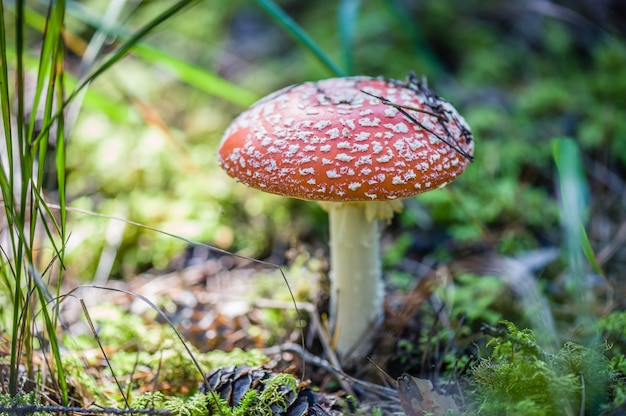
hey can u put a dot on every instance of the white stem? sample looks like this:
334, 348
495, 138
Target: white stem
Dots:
357, 291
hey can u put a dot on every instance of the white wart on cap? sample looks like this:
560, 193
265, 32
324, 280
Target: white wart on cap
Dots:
348, 139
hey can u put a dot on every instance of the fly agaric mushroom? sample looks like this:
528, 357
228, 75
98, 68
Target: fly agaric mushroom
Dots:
358, 145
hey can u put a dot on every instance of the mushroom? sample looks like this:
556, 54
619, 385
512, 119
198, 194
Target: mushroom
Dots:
359, 145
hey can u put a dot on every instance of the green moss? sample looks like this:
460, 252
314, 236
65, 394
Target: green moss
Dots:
195, 405
275, 391
520, 378
151, 400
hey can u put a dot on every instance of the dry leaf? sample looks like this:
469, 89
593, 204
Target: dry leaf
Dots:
418, 397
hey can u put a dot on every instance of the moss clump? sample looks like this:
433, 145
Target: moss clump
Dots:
520, 378
194, 405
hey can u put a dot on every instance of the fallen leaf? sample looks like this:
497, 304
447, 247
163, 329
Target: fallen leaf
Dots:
418, 397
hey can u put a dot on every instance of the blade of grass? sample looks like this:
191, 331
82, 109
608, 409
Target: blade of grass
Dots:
94, 331
591, 255
98, 40
50, 64
47, 85
569, 161
55, 94
573, 207
61, 176
91, 54
129, 44
50, 79
347, 16
195, 76
5, 110
300, 36
121, 52
4, 99
95, 99
17, 214
55, 347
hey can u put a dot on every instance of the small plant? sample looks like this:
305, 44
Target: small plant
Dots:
520, 378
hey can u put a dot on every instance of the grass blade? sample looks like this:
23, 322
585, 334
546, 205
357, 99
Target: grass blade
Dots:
197, 77
5, 110
97, 42
15, 215
4, 94
295, 31
127, 46
347, 17
569, 164
50, 79
124, 49
574, 194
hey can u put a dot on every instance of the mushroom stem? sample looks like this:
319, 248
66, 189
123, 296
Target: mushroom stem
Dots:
356, 298
357, 292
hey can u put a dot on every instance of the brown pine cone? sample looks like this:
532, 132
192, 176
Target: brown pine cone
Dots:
232, 383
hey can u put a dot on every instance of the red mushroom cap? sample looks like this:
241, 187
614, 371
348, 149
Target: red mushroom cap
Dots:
348, 139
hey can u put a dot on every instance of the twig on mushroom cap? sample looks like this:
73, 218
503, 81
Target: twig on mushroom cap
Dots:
436, 110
